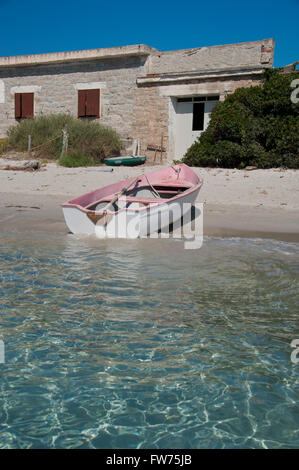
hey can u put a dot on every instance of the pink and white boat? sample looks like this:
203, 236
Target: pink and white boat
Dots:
135, 207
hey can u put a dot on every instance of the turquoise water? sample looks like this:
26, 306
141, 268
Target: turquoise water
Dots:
142, 344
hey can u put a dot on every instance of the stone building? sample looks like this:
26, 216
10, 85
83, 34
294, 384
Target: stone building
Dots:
139, 91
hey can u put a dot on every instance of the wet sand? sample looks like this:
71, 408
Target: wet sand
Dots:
237, 203
27, 213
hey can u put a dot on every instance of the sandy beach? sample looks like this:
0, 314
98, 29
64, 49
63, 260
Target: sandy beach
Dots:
237, 203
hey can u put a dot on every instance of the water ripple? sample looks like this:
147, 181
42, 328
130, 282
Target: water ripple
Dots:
125, 344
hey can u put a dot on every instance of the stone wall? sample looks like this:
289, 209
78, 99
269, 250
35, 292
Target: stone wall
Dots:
249, 54
150, 116
55, 89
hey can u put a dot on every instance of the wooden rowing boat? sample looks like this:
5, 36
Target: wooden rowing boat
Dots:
135, 207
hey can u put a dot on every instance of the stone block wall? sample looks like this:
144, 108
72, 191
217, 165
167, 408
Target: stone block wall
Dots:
150, 116
249, 54
56, 89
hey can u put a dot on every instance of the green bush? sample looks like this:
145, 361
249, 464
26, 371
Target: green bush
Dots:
74, 159
253, 126
2, 145
85, 137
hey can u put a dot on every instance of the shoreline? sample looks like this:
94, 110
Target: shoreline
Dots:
24, 213
237, 203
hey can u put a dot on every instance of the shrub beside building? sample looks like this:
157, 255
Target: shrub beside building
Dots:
256, 126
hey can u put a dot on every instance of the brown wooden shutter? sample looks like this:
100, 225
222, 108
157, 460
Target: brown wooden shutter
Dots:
27, 105
93, 103
18, 109
81, 103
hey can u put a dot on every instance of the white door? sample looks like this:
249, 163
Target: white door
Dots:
191, 119
184, 136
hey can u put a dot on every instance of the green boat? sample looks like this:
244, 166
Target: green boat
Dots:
126, 161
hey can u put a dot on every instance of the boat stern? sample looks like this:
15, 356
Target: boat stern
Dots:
78, 221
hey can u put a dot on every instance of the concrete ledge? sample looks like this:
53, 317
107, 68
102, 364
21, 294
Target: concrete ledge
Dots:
190, 76
89, 54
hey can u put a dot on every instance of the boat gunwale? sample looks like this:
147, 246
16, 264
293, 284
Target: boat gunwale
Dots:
151, 204
136, 209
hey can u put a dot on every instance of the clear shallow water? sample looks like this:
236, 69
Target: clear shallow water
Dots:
125, 344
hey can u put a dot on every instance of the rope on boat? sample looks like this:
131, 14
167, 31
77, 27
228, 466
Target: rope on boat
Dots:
177, 170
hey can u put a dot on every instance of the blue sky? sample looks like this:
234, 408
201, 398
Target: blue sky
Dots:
33, 26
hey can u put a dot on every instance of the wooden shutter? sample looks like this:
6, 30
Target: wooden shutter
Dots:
81, 103
93, 103
18, 109
27, 105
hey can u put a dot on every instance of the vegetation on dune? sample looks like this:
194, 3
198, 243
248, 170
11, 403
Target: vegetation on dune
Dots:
256, 126
74, 159
89, 143
2, 145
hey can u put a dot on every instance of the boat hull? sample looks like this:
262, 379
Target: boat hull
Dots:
125, 161
136, 215
130, 224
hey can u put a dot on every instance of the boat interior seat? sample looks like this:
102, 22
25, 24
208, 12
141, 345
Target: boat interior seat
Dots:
142, 200
175, 183
146, 194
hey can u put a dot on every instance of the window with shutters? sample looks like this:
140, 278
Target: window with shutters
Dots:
201, 105
88, 103
24, 105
